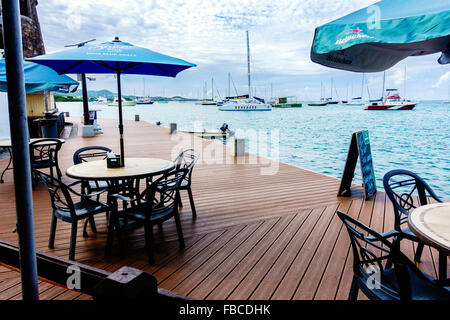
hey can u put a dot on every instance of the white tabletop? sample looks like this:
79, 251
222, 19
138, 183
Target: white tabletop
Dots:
134, 167
431, 224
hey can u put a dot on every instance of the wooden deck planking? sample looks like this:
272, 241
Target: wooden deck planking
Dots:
256, 236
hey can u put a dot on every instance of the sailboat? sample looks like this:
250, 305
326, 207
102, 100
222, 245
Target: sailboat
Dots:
144, 100
330, 99
206, 102
322, 101
357, 101
249, 103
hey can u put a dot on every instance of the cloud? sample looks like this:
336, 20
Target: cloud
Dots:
211, 34
443, 80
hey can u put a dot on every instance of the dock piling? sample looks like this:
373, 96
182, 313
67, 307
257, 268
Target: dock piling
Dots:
173, 128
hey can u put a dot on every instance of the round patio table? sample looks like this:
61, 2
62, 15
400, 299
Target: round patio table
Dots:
6, 144
134, 168
431, 224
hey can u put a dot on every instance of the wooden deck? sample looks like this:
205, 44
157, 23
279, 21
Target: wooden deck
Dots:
256, 236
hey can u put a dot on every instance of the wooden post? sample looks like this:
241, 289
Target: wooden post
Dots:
173, 128
239, 147
136, 117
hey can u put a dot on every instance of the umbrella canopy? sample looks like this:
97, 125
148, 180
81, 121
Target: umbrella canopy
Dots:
39, 78
113, 57
375, 38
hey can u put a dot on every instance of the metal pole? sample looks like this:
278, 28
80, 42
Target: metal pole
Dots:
12, 36
248, 67
119, 97
85, 100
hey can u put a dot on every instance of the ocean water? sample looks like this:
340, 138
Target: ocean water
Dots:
318, 138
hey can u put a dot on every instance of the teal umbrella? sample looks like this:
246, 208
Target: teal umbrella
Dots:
375, 38
39, 78
116, 57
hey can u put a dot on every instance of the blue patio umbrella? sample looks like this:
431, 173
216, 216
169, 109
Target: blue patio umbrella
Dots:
39, 78
113, 57
375, 38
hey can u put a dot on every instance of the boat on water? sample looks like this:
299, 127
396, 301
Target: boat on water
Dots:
249, 103
209, 103
356, 102
392, 101
101, 100
286, 102
125, 103
318, 103
144, 101
331, 101
224, 132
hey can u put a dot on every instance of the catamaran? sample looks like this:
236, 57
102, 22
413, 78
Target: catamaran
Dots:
250, 103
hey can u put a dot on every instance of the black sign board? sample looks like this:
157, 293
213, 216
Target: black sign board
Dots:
359, 148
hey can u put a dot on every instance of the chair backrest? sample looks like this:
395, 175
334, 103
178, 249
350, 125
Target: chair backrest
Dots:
163, 193
187, 159
45, 150
407, 191
59, 193
86, 153
370, 252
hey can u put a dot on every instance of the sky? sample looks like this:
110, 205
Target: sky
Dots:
212, 34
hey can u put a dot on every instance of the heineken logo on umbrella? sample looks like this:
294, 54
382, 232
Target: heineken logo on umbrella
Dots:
356, 33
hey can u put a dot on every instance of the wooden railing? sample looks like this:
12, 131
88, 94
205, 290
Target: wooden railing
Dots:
126, 283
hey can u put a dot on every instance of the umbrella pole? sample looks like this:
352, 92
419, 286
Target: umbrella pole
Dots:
85, 100
119, 97
20, 147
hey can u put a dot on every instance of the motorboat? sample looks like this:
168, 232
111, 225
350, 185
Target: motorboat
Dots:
392, 101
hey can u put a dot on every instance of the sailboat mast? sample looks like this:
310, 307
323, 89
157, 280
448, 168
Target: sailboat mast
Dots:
362, 85
384, 82
229, 84
248, 66
212, 89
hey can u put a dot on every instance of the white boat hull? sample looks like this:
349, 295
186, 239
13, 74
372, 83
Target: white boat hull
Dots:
245, 107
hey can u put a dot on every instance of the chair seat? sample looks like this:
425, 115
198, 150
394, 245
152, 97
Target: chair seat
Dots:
43, 164
138, 213
98, 185
420, 289
82, 209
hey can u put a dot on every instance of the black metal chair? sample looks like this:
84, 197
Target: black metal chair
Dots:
65, 209
44, 154
156, 204
187, 159
402, 281
92, 153
401, 186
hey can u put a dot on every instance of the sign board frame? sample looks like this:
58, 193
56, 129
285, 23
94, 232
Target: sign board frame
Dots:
359, 148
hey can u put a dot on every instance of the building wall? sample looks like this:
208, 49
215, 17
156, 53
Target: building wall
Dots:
33, 44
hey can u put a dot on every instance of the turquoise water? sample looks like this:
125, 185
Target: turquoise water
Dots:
317, 138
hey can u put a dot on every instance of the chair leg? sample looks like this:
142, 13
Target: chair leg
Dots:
419, 251
110, 237
442, 267
179, 230
354, 289
51, 242
73, 240
191, 199
92, 223
148, 230
180, 203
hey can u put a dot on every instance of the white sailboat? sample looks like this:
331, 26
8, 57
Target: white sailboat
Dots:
358, 101
250, 103
322, 102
